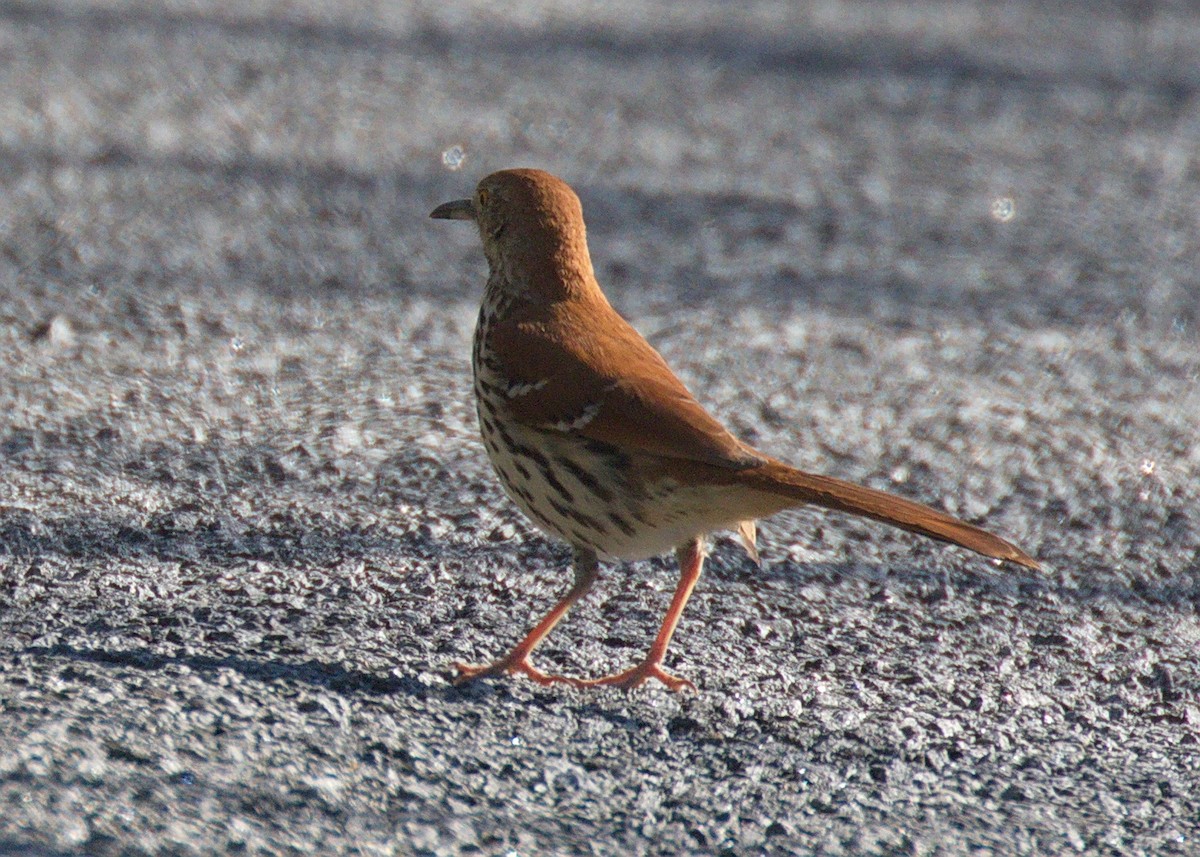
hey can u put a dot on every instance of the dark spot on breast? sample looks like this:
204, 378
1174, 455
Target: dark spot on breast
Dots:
486, 388
505, 475
579, 517
585, 478
542, 521
582, 540
622, 524
606, 451
528, 451
552, 480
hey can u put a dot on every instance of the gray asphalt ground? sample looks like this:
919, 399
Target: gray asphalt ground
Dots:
246, 524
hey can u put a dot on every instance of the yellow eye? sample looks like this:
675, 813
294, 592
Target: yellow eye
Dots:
483, 197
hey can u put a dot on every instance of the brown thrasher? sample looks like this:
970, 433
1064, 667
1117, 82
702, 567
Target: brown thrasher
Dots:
599, 443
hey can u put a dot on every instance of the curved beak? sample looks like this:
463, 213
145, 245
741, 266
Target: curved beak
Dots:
459, 209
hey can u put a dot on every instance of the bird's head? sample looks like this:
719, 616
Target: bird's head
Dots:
531, 223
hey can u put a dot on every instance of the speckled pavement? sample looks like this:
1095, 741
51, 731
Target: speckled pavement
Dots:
947, 249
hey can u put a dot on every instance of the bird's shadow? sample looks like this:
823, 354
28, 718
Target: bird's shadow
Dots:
319, 674
352, 683
14, 846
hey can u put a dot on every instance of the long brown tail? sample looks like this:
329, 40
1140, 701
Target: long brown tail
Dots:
831, 493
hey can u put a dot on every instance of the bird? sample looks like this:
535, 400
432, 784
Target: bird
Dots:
601, 445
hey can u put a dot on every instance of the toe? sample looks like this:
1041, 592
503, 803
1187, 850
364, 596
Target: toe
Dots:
639, 675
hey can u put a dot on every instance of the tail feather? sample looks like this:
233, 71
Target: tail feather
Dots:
810, 488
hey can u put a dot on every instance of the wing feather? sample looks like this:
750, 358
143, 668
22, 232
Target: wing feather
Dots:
606, 383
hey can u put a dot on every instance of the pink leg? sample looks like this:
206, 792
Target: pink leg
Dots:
691, 561
587, 568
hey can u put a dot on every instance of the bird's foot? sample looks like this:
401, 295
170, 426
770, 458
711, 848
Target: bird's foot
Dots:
511, 664
637, 676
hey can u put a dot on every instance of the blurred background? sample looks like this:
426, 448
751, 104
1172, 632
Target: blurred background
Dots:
945, 248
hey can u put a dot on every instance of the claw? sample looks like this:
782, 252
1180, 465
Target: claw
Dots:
471, 672
636, 677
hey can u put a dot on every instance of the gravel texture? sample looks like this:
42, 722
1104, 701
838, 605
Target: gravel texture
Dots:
949, 249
